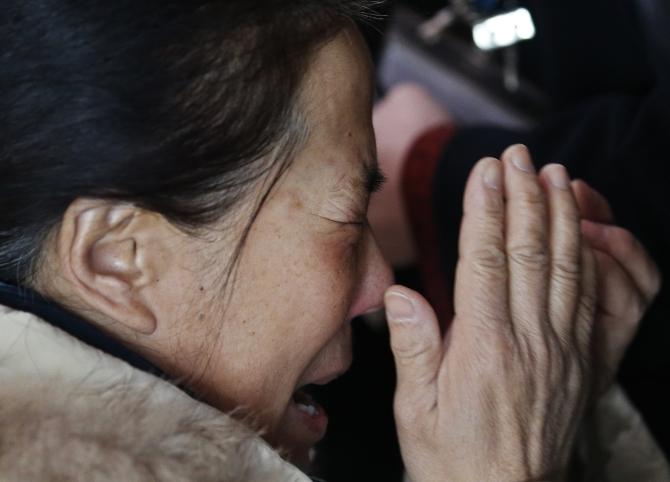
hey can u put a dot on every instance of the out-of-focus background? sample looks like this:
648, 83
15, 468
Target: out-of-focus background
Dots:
583, 82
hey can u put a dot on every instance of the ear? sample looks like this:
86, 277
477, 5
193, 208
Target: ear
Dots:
112, 253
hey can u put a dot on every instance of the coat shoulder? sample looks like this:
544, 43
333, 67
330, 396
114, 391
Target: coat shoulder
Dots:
68, 412
73, 434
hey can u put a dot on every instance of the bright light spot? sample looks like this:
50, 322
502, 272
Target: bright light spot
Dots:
504, 30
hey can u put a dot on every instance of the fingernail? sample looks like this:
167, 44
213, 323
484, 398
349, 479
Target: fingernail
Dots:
521, 159
493, 175
399, 307
558, 176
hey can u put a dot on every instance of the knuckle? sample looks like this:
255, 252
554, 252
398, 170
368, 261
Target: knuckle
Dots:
568, 217
531, 197
567, 268
481, 214
534, 257
487, 262
491, 208
408, 353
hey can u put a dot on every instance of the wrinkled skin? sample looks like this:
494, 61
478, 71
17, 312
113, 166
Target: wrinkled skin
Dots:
501, 398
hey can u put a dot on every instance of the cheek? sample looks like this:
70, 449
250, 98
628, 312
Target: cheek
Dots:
291, 299
341, 264
328, 282
320, 283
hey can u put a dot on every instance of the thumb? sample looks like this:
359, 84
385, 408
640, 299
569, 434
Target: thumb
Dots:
416, 345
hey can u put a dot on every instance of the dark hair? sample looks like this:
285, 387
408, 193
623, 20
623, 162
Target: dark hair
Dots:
175, 106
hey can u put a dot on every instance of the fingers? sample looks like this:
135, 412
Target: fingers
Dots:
416, 345
627, 251
586, 308
527, 242
592, 205
618, 296
565, 249
615, 241
621, 302
620, 309
481, 275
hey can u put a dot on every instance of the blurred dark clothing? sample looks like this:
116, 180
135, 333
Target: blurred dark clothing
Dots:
607, 72
586, 49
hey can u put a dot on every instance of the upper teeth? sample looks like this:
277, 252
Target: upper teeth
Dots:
309, 409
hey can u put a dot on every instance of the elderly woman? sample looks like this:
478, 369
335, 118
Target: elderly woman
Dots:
183, 244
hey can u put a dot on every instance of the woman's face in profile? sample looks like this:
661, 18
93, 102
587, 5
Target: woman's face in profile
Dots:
309, 266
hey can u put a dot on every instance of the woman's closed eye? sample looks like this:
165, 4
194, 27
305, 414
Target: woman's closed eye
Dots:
375, 179
343, 207
347, 202
357, 222
349, 205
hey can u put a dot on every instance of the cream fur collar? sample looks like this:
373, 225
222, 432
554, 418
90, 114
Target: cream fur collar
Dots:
71, 412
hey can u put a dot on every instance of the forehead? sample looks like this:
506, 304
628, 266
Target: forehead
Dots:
340, 68
330, 167
337, 104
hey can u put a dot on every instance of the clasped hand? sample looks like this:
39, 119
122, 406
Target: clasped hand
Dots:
548, 295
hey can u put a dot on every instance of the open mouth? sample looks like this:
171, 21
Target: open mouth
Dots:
309, 413
306, 419
304, 400
306, 412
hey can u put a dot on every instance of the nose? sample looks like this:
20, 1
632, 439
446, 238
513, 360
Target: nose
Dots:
376, 277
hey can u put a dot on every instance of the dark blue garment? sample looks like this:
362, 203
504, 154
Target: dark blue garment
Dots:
22, 299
